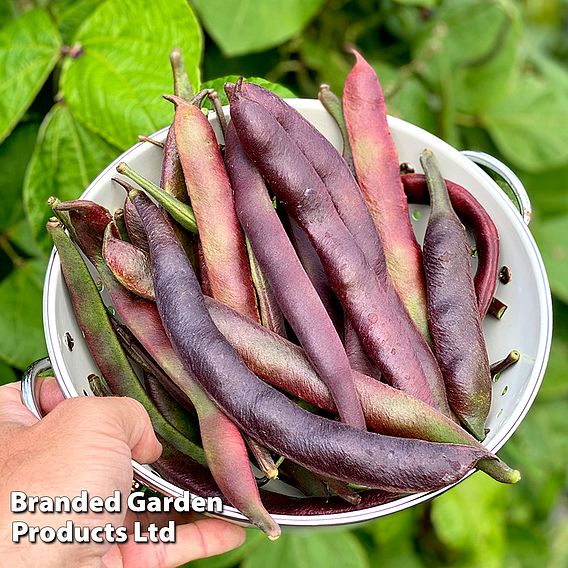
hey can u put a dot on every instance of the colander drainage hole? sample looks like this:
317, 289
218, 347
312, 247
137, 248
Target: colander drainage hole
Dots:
69, 341
499, 413
504, 391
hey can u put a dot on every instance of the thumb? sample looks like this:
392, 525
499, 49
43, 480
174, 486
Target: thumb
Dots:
120, 418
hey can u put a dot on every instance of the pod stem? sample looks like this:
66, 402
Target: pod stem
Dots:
120, 224
332, 103
439, 198
136, 352
62, 216
214, 98
182, 84
99, 386
502, 365
497, 308
342, 489
181, 212
263, 459
142, 138
270, 314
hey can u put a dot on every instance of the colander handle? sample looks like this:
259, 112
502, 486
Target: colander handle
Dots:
508, 175
29, 397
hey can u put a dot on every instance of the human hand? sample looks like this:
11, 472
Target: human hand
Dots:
87, 443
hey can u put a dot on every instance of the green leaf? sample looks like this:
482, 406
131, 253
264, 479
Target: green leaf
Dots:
66, 158
331, 65
20, 315
529, 126
115, 86
29, 48
394, 537
309, 550
470, 518
233, 557
538, 448
70, 14
245, 26
559, 552
15, 153
555, 385
218, 83
548, 190
7, 11
21, 236
421, 3
551, 238
411, 103
477, 42
7, 374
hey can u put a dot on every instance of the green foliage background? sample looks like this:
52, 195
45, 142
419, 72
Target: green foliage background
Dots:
80, 79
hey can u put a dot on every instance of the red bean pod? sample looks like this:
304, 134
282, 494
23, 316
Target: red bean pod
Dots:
387, 410
324, 446
280, 264
377, 169
136, 232
211, 196
375, 310
474, 217
125, 261
453, 313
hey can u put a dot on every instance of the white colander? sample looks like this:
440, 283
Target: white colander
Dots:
526, 325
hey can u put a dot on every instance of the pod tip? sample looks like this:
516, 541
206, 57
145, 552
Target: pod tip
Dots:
516, 476
52, 201
122, 167
229, 89
175, 55
272, 473
142, 138
124, 184
273, 532
177, 101
53, 223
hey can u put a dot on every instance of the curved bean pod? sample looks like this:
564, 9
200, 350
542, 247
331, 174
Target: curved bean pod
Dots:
452, 306
474, 217
325, 446
377, 169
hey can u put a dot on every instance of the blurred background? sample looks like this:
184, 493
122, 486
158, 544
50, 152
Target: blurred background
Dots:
81, 79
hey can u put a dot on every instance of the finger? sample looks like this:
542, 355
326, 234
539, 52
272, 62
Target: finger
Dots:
50, 394
121, 418
204, 538
159, 519
12, 411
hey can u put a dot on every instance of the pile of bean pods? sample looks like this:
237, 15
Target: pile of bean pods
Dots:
273, 296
